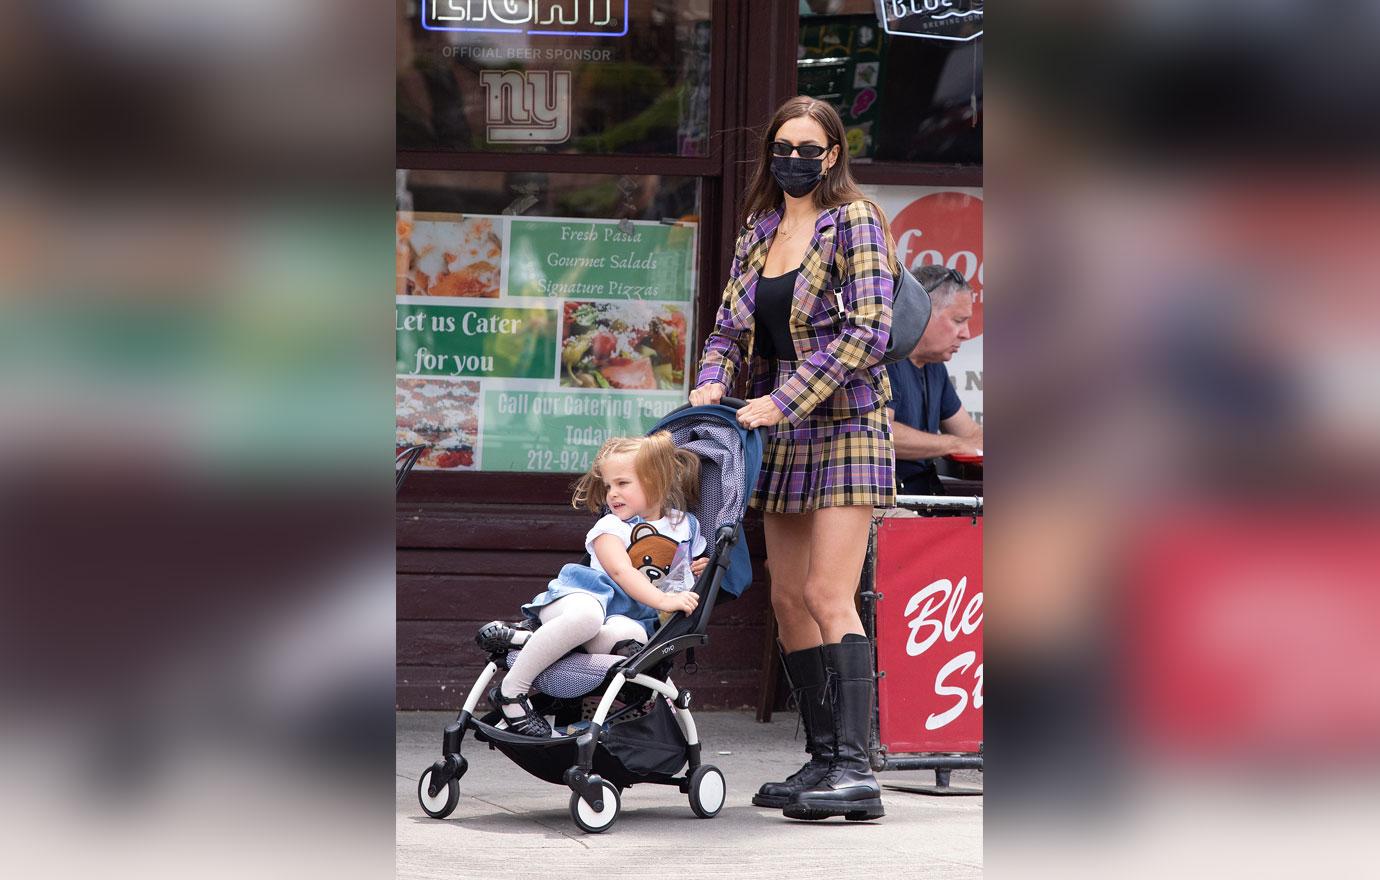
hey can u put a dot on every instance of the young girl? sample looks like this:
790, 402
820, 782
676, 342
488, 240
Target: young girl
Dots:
640, 564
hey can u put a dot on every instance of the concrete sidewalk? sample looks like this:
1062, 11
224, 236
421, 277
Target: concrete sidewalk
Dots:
511, 825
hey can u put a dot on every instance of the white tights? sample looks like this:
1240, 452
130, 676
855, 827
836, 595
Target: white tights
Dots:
569, 622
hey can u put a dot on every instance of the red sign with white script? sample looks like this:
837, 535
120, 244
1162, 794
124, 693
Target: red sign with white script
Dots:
929, 634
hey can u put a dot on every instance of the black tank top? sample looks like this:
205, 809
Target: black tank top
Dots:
772, 316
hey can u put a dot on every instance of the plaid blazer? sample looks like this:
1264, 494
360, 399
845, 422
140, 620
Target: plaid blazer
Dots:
840, 318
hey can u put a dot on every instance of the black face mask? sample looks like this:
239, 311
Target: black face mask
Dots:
797, 176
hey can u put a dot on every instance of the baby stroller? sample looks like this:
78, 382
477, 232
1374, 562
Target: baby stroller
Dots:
651, 736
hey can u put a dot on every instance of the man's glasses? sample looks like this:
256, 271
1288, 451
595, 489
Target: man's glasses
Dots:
805, 151
930, 277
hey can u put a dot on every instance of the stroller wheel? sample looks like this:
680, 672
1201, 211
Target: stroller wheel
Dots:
707, 791
445, 801
591, 820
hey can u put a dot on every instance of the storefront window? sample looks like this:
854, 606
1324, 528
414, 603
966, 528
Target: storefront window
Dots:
564, 76
538, 315
904, 96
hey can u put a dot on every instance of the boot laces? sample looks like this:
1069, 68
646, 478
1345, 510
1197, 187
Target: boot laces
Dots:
831, 676
826, 693
796, 704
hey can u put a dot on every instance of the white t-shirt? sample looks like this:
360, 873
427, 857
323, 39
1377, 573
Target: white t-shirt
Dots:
661, 549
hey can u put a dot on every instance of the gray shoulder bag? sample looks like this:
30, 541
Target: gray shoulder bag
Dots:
910, 312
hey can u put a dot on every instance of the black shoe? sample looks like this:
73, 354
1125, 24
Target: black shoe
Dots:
848, 789
627, 647
496, 637
805, 670
529, 723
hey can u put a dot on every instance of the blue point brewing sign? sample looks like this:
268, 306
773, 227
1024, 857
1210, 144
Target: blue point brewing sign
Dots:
953, 20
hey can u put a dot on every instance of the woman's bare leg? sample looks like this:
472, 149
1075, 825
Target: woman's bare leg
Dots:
788, 558
837, 547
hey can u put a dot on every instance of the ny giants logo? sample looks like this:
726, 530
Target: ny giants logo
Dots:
937, 609
527, 107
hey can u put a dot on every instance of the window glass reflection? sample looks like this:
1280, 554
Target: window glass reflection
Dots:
538, 315
902, 98
593, 76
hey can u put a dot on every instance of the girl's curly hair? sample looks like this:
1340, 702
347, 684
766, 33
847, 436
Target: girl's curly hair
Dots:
670, 476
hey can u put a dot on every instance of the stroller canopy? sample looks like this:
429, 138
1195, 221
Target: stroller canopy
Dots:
730, 457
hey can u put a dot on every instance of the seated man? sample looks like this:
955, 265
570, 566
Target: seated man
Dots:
927, 418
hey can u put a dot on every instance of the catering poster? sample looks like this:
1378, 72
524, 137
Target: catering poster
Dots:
525, 342
944, 226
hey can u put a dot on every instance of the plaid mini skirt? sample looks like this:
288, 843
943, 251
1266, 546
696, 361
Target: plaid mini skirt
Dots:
841, 463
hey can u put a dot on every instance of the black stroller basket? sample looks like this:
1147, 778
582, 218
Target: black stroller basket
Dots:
649, 748
653, 735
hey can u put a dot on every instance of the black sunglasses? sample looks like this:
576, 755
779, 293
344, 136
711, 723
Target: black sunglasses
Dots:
805, 151
930, 280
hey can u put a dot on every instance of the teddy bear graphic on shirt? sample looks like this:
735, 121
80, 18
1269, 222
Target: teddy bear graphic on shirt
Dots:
651, 552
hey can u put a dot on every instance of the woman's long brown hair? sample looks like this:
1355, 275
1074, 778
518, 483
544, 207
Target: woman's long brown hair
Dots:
838, 186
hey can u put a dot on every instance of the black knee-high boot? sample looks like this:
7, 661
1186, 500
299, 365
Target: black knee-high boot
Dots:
806, 672
848, 789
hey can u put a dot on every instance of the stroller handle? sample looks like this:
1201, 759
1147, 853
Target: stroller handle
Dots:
730, 402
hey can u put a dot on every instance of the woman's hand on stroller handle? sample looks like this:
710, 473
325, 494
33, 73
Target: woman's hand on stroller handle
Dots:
760, 412
699, 397
710, 392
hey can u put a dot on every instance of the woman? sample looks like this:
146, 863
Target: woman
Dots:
808, 308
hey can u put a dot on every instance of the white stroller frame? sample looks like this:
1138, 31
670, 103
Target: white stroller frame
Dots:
667, 689
594, 800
